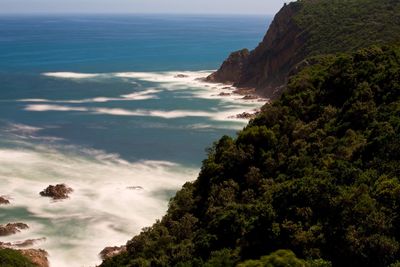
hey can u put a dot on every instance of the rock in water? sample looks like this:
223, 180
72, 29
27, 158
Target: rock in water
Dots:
57, 192
181, 76
134, 188
12, 228
4, 201
224, 94
21, 244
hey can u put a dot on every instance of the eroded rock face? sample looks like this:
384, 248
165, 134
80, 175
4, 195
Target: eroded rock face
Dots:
232, 68
57, 192
267, 67
12, 228
4, 201
109, 252
37, 256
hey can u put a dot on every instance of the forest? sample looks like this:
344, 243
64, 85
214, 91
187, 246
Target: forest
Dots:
311, 181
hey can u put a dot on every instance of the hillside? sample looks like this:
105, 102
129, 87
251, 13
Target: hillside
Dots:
306, 28
315, 174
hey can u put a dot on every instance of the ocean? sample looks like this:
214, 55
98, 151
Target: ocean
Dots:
113, 107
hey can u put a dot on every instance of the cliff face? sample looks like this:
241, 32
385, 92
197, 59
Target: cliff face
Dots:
266, 68
308, 28
232, 68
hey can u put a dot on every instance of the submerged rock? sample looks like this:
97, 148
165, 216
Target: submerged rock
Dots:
4, 201
181, 76
109, 252
224, 94
12, 228
57, 192
134, 188
21, 244
250, 97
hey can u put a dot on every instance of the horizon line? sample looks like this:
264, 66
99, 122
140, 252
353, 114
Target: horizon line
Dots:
130, 13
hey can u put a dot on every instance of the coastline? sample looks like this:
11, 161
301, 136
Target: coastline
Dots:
242, 107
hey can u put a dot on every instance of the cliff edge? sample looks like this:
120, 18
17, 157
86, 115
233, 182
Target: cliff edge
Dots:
308, 28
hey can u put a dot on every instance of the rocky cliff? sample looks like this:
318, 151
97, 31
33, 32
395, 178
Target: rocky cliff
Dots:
266, 68
309, 27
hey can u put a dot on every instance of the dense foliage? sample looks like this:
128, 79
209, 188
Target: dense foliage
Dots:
12, 258
316, 173
334, 26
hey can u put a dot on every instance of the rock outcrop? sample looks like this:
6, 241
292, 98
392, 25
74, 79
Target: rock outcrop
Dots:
37, 256
232, 68
4, 200
266, 68
309, 28
109, 252
12, 228
181, 76
57, 192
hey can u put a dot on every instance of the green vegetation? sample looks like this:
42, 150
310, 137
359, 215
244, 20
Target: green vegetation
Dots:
332, 26
316, 174
12, 258
283, 258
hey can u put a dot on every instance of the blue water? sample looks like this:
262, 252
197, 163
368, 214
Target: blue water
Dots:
30, 46
121, 43
95, 102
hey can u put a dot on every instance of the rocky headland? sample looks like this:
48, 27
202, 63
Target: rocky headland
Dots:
312, 180
302, 29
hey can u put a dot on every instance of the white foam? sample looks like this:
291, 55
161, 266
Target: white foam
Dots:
34, 100
141, 95
165, 114
22, 128
151, 113
227, 115
101, 211
70, 75
190, 84
193, 83
43, 107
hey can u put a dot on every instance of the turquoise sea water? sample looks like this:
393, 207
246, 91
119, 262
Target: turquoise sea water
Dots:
104, 103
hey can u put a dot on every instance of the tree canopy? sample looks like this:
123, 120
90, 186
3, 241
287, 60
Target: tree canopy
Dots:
316, 174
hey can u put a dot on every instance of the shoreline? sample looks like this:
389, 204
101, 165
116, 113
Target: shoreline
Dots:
234, 110
244, 94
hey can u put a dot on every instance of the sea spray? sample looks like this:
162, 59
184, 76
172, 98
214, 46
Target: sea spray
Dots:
101, 211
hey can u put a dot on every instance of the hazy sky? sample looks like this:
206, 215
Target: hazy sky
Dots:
142, 6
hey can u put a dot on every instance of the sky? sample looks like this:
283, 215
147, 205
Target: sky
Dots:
141, 6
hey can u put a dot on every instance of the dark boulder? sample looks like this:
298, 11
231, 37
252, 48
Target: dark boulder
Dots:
57, 192
4, 201
12, 228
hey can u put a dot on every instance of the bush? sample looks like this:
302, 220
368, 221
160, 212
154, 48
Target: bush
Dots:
13, 258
